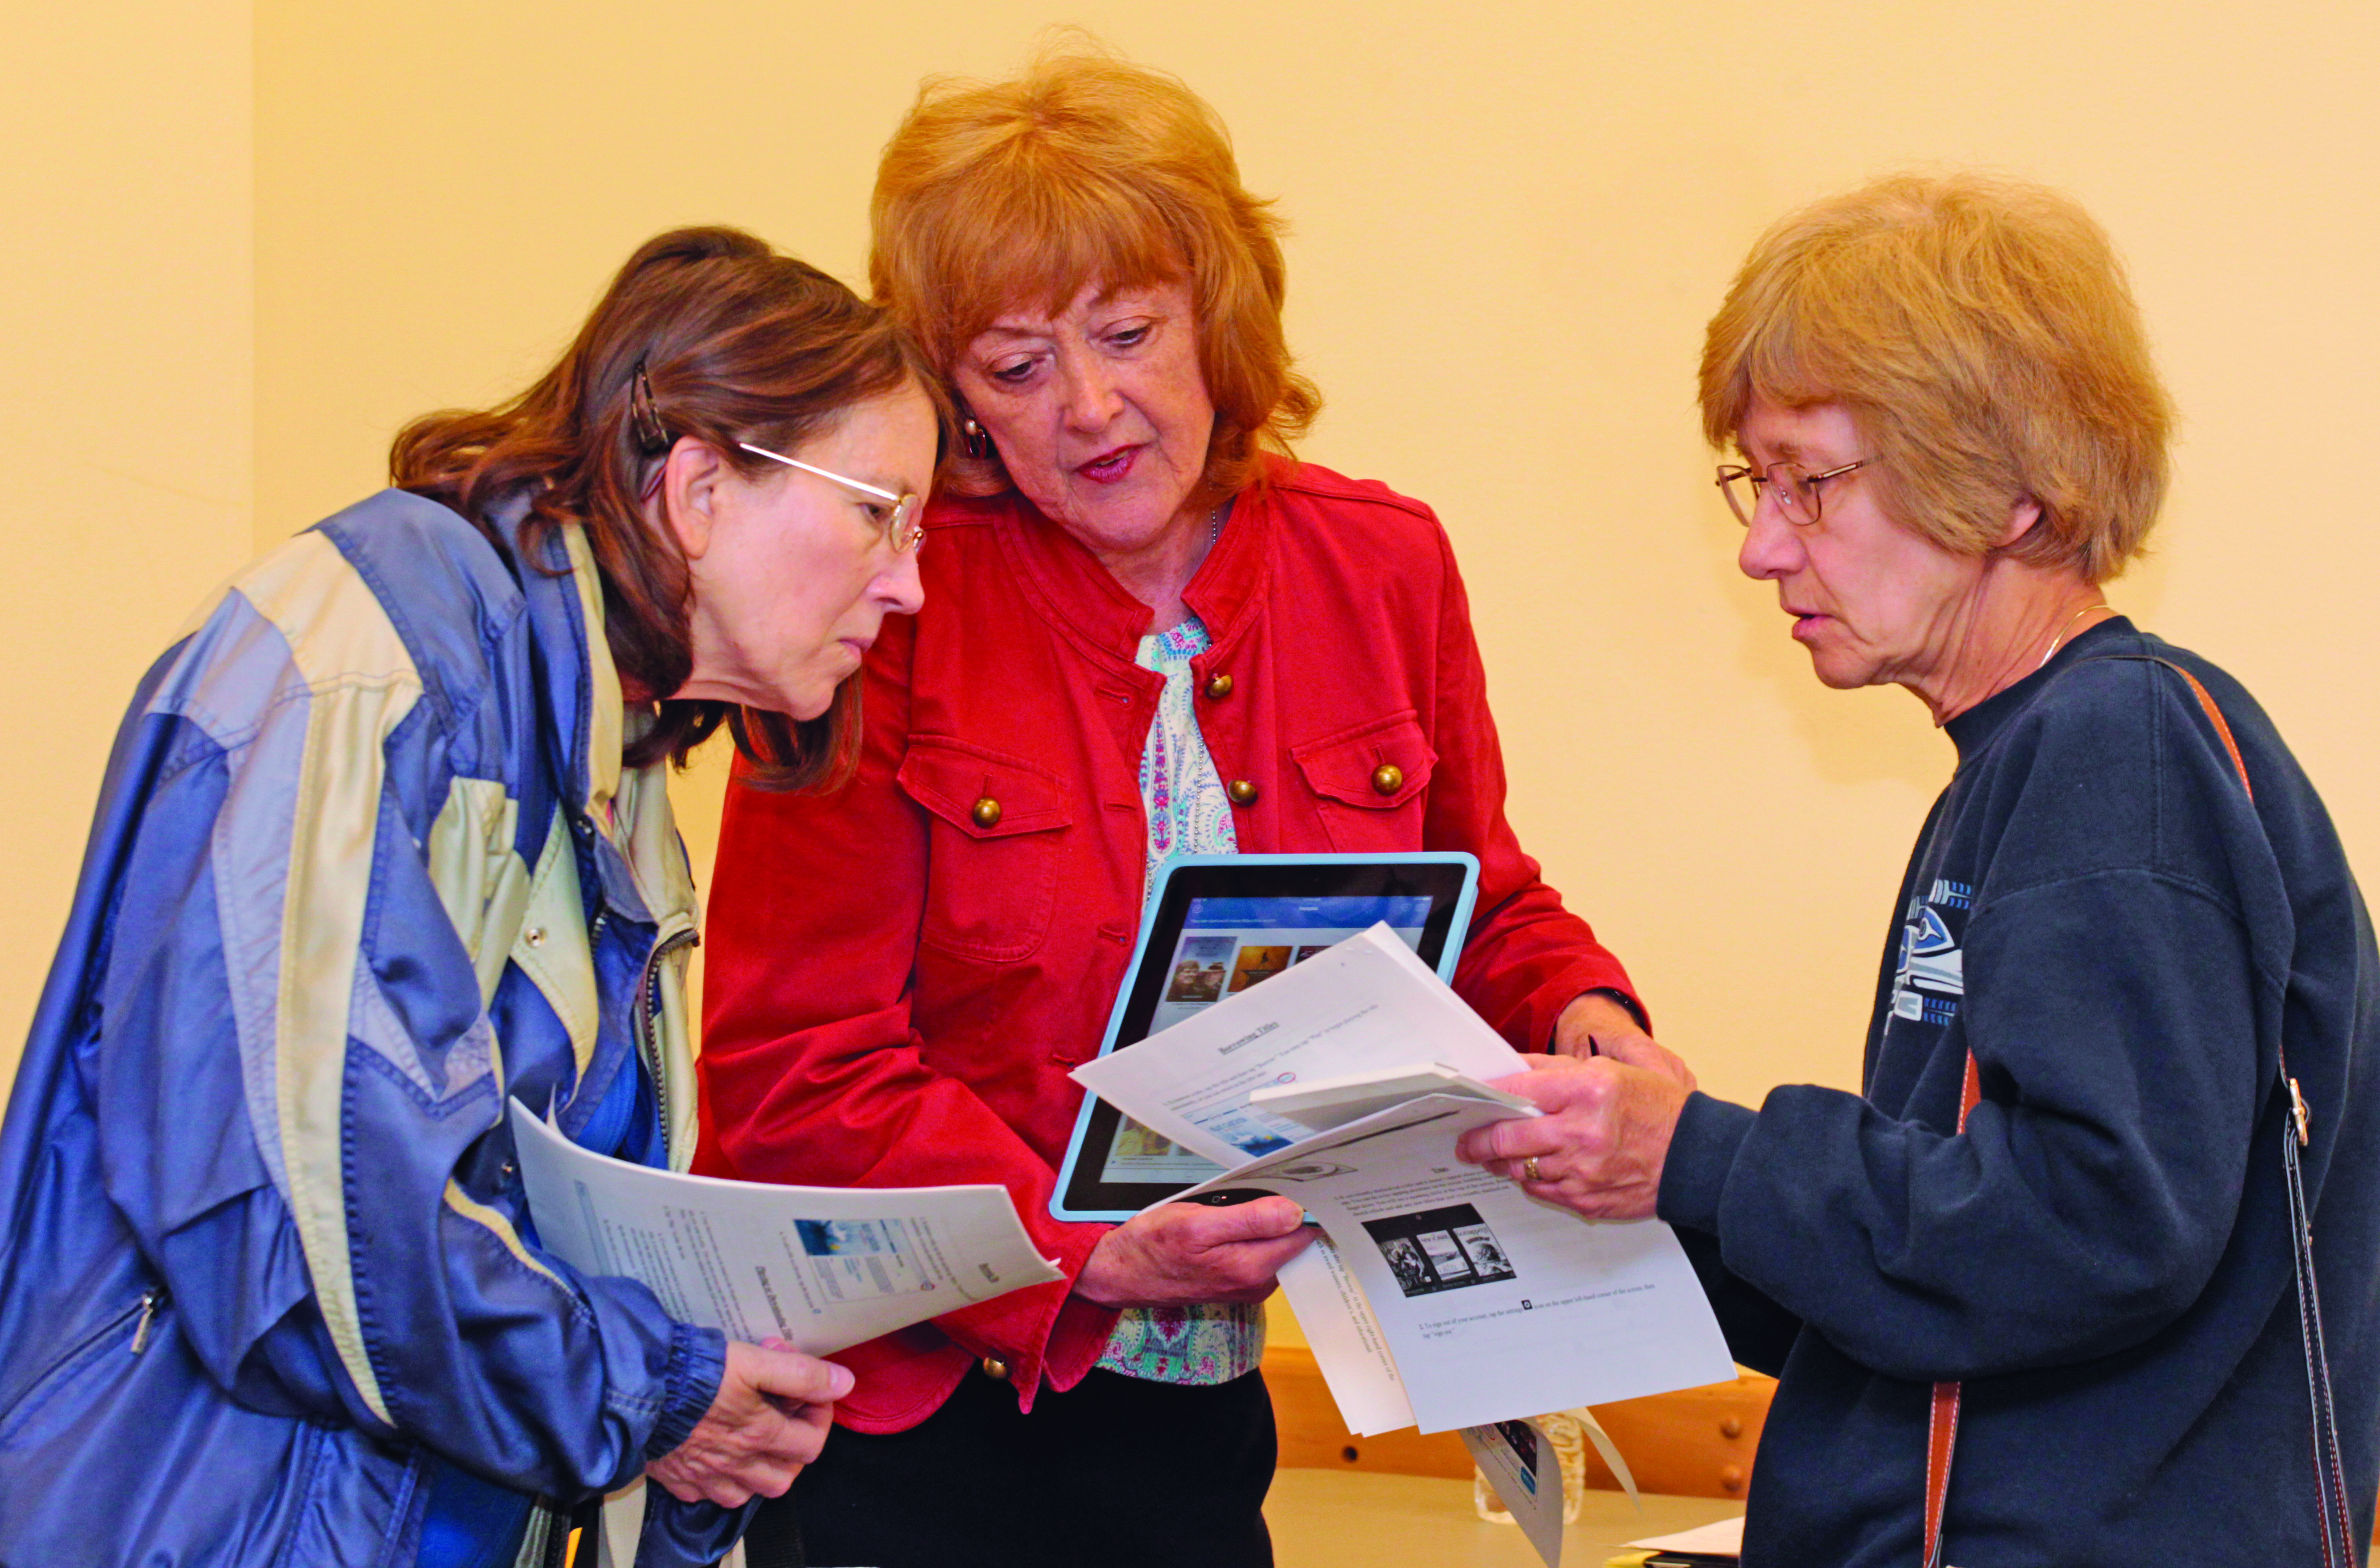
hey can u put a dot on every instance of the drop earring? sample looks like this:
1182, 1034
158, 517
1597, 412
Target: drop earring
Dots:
974, 440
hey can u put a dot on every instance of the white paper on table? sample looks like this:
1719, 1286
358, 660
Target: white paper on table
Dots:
1724, 1538
1492, 1305
820, 1267
1518, 1461
1365, 1004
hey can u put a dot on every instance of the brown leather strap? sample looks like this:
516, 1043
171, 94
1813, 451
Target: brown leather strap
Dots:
2330, 1475
2329, 1468
1943, 1434
2215, 716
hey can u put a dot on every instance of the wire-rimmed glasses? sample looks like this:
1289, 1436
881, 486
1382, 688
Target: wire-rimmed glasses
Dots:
1794, 489
905, 526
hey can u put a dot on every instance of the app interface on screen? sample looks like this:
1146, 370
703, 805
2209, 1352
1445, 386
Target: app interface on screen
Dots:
1227, 945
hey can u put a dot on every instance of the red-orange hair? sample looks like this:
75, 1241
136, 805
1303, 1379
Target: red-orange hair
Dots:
1085, 169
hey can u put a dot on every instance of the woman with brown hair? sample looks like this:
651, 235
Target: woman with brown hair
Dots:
1152, 632
385, 843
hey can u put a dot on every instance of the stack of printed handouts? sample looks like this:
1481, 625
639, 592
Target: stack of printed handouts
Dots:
820, 1267
1438, 1295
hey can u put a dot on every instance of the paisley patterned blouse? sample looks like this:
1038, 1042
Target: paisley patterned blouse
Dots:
1188, 814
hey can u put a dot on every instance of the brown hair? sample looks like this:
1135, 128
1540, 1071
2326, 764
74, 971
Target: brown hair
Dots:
737, 343
1085, 169
1981, 334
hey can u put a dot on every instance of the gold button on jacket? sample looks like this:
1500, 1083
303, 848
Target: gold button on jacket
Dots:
995, 1368
1387, 778
1219, 687
1242, 791
987, 813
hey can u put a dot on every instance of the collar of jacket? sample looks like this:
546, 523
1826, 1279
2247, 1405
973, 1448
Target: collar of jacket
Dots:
1080, 595
563, 592
565, 598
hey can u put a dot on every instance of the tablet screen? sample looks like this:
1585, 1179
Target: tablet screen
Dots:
1227, 945
1220, 928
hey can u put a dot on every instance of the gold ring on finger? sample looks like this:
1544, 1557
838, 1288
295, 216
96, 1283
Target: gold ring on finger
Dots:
1529, 1169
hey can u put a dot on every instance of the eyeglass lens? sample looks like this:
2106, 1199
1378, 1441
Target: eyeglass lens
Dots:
1795, 495
908, 529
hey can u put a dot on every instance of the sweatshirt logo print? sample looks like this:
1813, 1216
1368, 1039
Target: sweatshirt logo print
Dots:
1931, 975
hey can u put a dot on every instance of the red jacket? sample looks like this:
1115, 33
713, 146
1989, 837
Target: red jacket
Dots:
896, 990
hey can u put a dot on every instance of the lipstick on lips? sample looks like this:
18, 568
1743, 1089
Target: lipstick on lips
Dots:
1110, 467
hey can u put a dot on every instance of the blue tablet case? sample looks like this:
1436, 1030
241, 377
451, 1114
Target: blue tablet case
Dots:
1448, 958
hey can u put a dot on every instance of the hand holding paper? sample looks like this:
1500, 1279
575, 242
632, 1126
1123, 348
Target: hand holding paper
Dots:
1492, 1303
1180, 1254
1600, 1144
1449, 1296
768, 1419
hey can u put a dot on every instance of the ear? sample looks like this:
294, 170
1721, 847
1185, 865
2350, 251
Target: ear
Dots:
2024, 514
689, 496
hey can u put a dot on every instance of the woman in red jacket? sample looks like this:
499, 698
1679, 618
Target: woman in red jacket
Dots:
1149, 632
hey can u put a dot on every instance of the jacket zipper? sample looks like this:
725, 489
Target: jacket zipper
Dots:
649, 1001
88, 1345
150, 1301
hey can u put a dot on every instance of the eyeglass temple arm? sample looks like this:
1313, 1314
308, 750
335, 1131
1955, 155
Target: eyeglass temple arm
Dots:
822, 473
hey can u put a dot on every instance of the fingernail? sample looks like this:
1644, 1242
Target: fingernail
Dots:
841, 1383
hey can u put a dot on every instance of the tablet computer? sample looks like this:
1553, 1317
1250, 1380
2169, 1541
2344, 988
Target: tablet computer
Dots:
1220, 924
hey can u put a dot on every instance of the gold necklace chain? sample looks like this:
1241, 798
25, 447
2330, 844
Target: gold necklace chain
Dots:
2069, 627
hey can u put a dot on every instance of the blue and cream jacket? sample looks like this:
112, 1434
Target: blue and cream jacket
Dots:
365, 863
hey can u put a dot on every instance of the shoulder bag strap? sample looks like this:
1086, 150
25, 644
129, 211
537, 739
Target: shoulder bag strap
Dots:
2329, 1470
1943, 1435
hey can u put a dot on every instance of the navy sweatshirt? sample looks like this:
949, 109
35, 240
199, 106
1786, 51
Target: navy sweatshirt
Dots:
2126, 942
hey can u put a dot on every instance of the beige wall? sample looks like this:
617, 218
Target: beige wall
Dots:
1509, 231
126, 334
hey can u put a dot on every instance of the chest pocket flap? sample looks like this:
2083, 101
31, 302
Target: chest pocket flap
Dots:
964, 784
994, 877
1376, 766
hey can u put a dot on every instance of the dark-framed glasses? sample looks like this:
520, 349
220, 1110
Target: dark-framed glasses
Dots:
1793, 488
905, 526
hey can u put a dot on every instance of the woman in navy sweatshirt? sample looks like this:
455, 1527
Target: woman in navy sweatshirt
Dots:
2052, 1239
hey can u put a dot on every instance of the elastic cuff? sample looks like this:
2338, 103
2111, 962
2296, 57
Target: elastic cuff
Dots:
698, 1364
1702, 1152
690, 1535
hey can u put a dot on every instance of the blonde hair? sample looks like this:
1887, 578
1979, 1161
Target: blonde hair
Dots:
1981, 335
1085, 170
